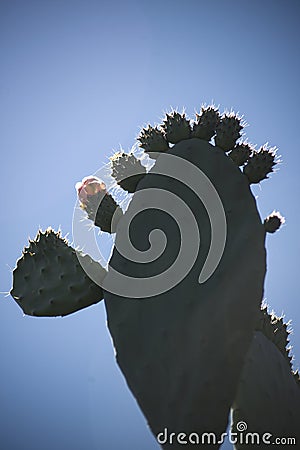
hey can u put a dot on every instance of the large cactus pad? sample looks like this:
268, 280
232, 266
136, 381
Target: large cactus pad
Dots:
182, 351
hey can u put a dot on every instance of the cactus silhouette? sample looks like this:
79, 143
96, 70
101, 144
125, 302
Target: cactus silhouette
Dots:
184, 286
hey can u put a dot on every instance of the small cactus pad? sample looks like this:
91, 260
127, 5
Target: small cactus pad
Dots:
99, 205
268, 396
228, 131
105, 212
206, 123
273, 222
260, 164
176, 127
49, 279
152, 140
127, 170
241, 153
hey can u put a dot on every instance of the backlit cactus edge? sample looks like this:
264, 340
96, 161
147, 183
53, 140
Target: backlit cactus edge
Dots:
198, 350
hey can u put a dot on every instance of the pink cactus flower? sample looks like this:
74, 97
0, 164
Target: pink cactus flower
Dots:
89, 186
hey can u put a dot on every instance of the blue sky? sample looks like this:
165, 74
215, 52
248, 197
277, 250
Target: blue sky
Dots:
79, 78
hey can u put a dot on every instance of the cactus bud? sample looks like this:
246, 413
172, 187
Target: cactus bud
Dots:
88, 187
260, 164
241, 153
176, 127
273, 222
153, 140
228, 131
206, 123
127, 170
100, 206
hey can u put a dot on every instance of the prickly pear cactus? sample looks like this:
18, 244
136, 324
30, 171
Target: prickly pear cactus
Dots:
185, 282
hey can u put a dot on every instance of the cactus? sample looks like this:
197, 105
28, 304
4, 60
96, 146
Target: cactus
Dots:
260, 164
176, 127
228, 131
49, 279
127, 170
206, 123
153, 140
92, 194
273, 222
241, 153
185, 282
268, 395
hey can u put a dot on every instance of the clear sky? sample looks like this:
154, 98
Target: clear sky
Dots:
79, 78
